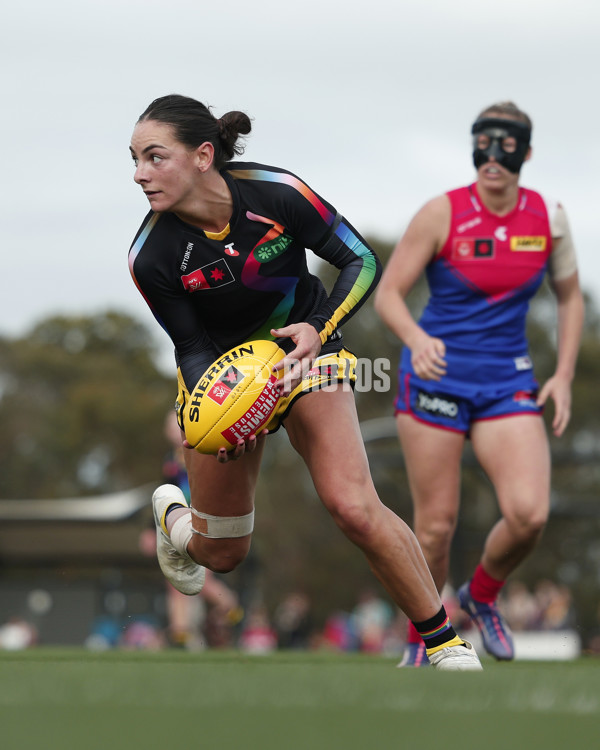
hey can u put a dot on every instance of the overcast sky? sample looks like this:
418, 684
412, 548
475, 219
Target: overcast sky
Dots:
370, 103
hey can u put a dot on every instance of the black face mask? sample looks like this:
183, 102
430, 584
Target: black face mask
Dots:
497, 129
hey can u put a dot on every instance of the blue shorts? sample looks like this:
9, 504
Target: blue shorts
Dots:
488, 389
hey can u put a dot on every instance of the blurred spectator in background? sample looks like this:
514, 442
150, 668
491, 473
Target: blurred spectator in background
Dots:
142, 634
339, 633
258, 635
549, 607
395, 636
17, 634
293, 621
372, 616
555, 606
519, 606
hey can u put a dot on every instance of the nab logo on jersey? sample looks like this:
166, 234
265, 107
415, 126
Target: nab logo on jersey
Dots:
472, 249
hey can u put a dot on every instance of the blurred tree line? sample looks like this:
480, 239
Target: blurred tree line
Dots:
82, 407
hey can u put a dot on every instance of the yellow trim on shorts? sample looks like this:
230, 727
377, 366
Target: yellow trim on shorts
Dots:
327, 369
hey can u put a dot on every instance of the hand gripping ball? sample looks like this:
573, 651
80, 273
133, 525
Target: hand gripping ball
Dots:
235, 398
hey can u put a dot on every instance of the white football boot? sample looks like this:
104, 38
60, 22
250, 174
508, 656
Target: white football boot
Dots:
177, 567
461, 658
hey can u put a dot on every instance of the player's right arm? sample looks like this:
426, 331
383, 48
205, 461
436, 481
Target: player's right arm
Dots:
423, 240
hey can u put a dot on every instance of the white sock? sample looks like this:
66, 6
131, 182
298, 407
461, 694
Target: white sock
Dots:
181, 533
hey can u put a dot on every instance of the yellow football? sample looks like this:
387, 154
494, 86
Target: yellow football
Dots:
235, 397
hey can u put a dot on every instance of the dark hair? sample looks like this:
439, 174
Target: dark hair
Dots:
195, 124
509, 110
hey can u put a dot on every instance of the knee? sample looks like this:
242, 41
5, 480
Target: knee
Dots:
435, 533
527, 526
351, 516
354, 518
219, 555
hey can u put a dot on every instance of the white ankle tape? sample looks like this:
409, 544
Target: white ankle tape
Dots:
181, 533
223, 527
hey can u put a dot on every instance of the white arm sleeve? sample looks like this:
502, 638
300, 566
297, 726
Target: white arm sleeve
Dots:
563, 261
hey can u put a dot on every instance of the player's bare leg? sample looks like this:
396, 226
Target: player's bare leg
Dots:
433, 465
324, 429
520, 473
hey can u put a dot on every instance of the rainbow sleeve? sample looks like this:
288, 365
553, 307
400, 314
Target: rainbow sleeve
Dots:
357, 279
334, 240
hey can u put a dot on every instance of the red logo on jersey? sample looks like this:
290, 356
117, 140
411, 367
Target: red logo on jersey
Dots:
208, 277
472, 249
484, 248
463, 249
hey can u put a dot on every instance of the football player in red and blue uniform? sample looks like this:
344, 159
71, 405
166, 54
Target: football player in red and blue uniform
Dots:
465, 370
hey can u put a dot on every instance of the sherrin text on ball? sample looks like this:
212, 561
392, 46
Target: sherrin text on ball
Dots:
234, 398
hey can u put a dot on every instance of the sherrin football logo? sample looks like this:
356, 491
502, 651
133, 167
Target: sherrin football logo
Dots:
219, 390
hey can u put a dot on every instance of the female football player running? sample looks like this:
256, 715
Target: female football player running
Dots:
220, 259
465, 370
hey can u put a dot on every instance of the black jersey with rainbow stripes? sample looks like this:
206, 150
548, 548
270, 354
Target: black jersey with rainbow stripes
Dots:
211, 292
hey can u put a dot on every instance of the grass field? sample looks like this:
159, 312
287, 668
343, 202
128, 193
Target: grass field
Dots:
71, 699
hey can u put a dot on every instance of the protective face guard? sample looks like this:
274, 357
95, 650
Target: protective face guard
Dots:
497, 129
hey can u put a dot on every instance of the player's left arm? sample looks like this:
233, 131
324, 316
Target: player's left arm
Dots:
359, 273
565, 282
318, 225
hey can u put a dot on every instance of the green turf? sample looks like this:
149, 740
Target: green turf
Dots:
68, 699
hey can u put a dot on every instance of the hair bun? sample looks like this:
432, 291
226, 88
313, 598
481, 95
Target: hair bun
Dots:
231, 126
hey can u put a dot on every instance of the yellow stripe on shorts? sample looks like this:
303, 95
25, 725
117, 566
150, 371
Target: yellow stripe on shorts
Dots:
326, 370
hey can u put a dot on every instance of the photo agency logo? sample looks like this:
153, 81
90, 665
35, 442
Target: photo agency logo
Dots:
371, 374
